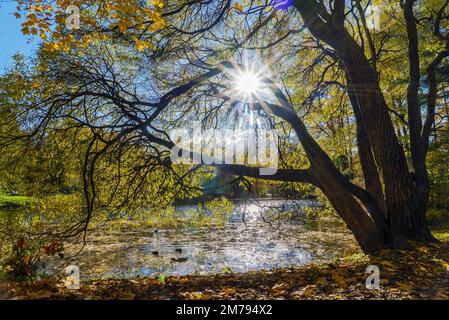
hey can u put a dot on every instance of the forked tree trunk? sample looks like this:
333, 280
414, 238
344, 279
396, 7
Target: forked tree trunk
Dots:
368, 234
360, 211
404, 200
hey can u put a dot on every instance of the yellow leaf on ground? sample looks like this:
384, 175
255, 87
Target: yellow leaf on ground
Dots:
423, 249
405, 286
306, 292
43, 294
339, 279
228, 291
279, 287
195, 295
126, 296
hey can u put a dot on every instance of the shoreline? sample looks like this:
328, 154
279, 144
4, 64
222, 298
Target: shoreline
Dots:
418, 273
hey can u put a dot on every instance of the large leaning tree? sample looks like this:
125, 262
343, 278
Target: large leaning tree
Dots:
132, 82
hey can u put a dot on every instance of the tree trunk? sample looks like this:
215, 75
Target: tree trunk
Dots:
403, 205
371, 175
360, 212
355, 215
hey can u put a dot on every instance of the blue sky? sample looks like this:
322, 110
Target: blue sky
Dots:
11, 39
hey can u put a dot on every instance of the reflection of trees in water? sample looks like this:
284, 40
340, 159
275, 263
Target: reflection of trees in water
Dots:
239, 245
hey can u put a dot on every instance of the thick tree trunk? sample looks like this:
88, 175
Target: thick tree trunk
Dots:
360, 212
403, 206
370, 238
371, 175
403, 202
417, 145
403, 198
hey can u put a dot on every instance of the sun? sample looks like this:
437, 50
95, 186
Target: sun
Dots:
248, 83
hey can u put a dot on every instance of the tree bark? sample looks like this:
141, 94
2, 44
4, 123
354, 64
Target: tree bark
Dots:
403, 209
371, 175
417, 151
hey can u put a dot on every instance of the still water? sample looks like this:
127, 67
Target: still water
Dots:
248, 241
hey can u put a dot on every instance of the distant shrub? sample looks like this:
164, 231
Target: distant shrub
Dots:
439, 196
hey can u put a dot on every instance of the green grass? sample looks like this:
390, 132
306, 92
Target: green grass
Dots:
439, 225
441, 234
14, 201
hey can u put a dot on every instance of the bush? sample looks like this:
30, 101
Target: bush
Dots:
24, 240
439, 196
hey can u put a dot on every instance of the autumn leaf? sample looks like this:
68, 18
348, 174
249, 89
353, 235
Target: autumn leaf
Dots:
193, 295
279, 287
306, 292
228, 291
238, 7
423, 249
406, 286
44, 294
97, 21
126, 296
339, 279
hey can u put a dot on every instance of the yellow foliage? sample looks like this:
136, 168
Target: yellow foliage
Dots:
93, 22
238, 7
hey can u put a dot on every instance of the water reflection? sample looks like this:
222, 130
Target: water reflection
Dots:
247, 242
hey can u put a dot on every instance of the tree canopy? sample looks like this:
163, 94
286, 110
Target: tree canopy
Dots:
360, 108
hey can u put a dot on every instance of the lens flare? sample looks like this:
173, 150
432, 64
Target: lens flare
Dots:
248, 83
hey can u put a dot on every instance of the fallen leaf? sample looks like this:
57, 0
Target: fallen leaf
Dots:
405, 286
306, 292
423, 249
238, 7
228, 291
126, 296
43, 294
339, 279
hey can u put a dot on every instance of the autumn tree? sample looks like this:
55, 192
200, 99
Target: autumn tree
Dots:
137, 79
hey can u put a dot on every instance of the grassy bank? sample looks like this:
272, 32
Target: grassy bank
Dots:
14, 201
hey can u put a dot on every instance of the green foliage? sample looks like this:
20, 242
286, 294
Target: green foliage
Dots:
324, 210
23, 242
30, 232
220, 209
162, 278
434, 214
438, 165
14, 201
213, 213
48, 167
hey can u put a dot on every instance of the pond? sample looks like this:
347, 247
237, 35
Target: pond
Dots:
247, 242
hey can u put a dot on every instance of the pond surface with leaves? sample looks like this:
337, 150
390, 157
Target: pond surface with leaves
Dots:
249, 241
